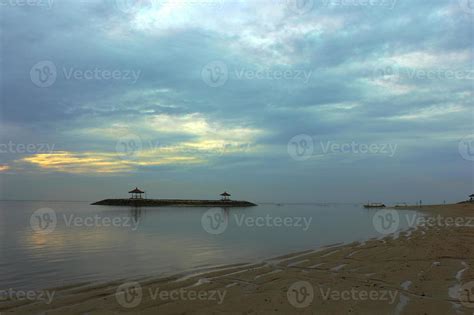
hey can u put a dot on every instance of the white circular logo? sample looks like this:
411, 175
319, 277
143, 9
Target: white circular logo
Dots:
467, 6
387, 73
43, 221
214, 221
301, 147
386, 221
300, 6
129, 146
129, 295
43, 74
215, 73
466, 148
300, 294
466, 295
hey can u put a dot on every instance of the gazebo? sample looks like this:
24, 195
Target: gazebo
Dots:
136, 193
471, 198
225, 196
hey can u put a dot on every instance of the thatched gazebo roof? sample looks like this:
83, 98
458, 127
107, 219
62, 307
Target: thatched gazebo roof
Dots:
136, 191
226, 194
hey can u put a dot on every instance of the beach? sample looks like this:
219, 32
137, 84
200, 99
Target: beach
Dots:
423, 270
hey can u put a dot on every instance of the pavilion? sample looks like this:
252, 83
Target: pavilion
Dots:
225, 196
471, 198
136, 193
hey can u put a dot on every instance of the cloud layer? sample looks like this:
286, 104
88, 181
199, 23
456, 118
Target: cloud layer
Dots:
133, 88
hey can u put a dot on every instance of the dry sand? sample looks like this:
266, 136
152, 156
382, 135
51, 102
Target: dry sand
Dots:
427, 270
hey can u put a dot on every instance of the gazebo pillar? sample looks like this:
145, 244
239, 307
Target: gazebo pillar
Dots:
136, 194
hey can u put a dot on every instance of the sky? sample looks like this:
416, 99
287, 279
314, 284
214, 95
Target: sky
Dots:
271, 100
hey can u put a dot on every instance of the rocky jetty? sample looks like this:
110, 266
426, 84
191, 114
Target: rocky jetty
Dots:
173, 203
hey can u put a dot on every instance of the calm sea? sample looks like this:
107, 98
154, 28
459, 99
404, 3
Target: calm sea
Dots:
47, 244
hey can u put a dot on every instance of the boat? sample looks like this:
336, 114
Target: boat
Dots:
374, 205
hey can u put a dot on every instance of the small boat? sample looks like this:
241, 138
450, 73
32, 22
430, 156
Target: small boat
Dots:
374, 205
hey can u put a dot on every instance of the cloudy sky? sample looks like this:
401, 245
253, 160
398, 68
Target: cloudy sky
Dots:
272, 100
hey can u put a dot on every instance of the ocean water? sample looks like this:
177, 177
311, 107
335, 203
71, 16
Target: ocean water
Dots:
49, 244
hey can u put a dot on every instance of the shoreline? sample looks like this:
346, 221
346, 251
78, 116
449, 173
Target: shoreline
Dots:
423, 275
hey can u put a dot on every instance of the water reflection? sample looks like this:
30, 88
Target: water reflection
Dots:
165, 240
136, 214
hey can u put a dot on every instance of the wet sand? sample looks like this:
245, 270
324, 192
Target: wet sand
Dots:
420, 271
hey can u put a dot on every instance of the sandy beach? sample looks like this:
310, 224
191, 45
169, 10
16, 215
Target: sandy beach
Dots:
425, 270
